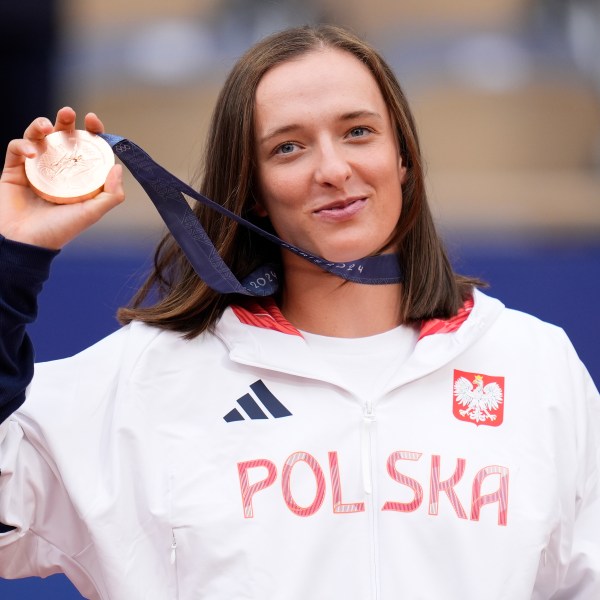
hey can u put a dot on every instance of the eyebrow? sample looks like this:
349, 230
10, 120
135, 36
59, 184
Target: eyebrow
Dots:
350, 116
358, 114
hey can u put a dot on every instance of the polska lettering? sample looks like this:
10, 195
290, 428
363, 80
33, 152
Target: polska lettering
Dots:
437, 486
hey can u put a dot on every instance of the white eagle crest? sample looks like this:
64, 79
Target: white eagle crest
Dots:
479, 400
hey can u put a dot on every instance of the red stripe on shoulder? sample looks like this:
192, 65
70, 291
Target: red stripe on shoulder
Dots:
264, 313
434, 326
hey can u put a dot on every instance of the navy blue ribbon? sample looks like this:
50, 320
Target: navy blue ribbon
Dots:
167, 193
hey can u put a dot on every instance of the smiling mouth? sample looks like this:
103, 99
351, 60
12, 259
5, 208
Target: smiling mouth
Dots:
344, 208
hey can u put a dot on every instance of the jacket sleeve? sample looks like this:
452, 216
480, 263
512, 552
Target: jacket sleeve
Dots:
53, 452
23, 271
582, 579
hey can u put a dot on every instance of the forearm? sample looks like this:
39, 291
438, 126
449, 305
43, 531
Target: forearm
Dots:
23, 271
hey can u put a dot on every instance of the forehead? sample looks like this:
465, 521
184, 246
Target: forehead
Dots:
317, 82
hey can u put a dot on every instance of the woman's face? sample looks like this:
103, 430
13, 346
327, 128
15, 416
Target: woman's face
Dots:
329, 169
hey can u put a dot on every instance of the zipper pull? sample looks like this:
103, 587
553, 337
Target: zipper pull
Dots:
369, 411
173, 549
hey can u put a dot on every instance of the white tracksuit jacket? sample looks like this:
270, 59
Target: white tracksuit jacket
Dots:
234, 466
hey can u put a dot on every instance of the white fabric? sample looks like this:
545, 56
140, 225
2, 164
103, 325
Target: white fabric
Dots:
120, 470
364, 363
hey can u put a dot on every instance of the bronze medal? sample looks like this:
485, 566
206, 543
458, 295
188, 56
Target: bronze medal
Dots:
71, 166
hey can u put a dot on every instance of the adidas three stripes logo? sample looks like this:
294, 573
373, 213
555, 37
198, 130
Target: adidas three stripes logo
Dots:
253, 409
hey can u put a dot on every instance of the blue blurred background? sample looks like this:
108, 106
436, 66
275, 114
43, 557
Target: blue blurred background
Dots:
506, 96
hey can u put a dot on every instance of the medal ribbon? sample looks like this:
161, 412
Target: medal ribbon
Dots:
167, 193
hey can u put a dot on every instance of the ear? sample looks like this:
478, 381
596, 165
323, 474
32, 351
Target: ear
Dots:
402, 171
259, 210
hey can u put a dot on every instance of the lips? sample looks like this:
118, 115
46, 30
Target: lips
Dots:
341, 209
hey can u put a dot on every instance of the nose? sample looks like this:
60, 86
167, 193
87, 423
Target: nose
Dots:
332, 168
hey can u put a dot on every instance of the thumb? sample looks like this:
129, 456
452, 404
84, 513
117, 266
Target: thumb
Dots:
114, 183
112, 195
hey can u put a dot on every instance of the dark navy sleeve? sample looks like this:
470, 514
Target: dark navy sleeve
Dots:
23, 271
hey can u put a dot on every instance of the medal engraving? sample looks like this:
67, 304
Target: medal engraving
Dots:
72, 166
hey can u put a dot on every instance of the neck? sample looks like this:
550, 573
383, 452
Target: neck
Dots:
321, 303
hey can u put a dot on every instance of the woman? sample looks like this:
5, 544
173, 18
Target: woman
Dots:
339, 440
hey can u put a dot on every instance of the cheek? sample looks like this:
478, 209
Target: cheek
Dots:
279, 192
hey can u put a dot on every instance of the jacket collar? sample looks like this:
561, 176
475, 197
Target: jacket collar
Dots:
257, 334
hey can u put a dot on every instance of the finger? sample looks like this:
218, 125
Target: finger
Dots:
65, 119
112, 195
114, 183
16, 152
93, 124
38, 129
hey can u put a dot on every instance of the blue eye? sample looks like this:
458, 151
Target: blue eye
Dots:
358, 132
286, 148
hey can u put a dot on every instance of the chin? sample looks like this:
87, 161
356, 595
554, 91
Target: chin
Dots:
349, 255
354, 248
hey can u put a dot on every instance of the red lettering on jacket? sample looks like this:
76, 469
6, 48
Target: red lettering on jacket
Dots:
249, 490
311, 461
500, 495
447, 486
336, 490
315, 472
414, 485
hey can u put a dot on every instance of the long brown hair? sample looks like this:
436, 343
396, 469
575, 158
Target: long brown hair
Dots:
186, 304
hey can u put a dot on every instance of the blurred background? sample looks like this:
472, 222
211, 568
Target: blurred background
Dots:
506, 97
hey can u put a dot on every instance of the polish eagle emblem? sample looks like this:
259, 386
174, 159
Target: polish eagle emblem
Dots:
478, 398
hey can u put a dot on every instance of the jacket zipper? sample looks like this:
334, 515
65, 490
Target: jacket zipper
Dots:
366, 458
173, 549
174, 561
368, 423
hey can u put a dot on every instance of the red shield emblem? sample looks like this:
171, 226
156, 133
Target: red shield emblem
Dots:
478, 398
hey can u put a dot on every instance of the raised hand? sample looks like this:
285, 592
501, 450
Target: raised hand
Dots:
24, 216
